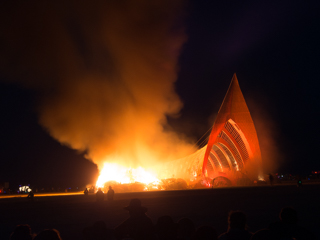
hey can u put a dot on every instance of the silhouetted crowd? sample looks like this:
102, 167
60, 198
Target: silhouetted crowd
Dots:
138, 226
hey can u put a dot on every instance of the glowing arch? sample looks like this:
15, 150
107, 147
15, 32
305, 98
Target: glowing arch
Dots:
230, 157
233, 137
233, 148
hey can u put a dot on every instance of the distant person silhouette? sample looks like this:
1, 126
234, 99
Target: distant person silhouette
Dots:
138, 226
206, 233
271, 179
98, 231
237, 222
299, 182
99, 196
21, 232
110, 194
166, 228
86, 192
288, 228
186, 229
30, 195
48, 234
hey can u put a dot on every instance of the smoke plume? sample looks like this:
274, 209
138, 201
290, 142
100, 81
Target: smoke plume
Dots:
268, 135
103, 72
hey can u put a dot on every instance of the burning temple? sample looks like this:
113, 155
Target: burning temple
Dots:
232, 154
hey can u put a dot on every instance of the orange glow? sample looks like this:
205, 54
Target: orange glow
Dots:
121, 174
233, 144
232, 156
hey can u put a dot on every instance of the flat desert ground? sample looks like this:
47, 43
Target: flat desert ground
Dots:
70, 214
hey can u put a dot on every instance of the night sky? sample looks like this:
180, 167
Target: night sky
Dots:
272, 46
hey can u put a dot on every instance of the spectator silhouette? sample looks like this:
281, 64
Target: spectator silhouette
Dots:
110, 194
166, 228
98, 231
86, 192
206, 233
21, 232
138, 226
288, 228
48, 234
30, 195
299, 182
99, 195
186, 229
264, 234
270, 179
237, 227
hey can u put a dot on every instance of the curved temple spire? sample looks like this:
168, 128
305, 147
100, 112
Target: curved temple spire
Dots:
233, 149
233, 139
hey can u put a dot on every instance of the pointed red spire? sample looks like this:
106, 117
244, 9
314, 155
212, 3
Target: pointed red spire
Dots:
235, 110
233, 101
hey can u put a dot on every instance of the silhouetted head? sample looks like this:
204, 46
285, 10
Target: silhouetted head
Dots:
206, 233
263, 234
288, 215
48, 234
237, 219
99, 226
166, 227
110, 187
186, 228
22, 232
98, 230
135, 207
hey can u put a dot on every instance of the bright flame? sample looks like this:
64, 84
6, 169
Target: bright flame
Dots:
121, 174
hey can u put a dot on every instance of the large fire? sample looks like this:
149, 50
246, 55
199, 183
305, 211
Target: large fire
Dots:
123, 175
128, 179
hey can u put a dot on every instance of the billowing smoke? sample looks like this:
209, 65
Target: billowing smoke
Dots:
267, 131
103, 72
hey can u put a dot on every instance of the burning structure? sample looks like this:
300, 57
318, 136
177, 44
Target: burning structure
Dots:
231, 157
104, 83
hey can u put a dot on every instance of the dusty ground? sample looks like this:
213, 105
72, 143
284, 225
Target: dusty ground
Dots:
71, 214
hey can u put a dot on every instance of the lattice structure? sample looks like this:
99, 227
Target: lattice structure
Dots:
188, 168
233, 139
233, 149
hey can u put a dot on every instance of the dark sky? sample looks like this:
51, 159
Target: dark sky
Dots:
272, 46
